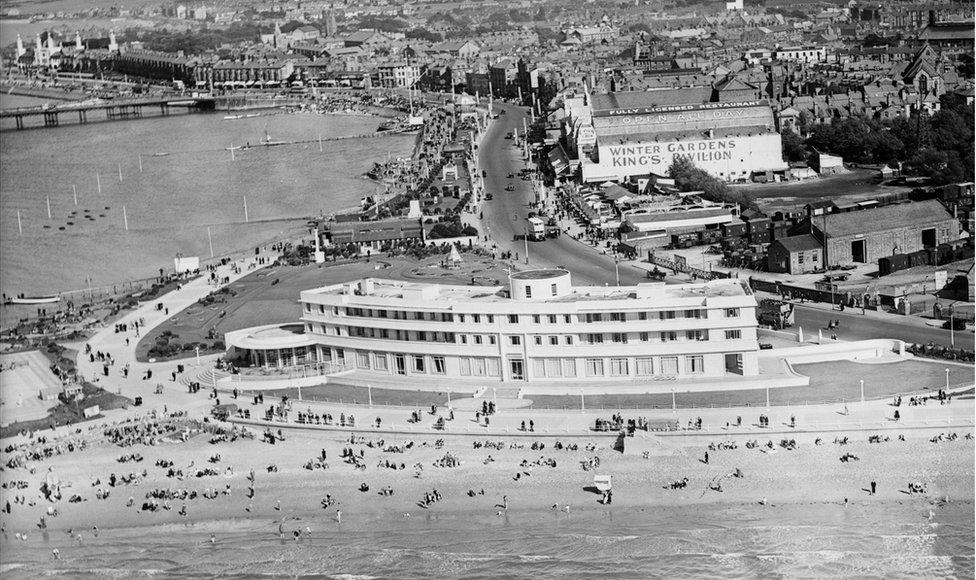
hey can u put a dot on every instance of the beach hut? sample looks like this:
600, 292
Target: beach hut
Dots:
602, 482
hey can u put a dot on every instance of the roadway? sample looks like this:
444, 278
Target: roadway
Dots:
857, 326
504, 216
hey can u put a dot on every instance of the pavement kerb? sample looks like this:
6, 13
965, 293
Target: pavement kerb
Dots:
895, 426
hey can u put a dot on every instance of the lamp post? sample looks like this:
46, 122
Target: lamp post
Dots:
197, 348
862, 390
947, 379
952, 331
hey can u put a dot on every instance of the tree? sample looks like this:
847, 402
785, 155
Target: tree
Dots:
793, 149
688, 177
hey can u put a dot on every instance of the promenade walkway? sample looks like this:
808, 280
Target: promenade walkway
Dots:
106, 340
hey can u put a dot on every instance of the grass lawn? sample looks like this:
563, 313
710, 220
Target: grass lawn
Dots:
830, 382
360, 395
256, 300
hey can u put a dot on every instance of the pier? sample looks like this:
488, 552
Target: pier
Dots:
109, 110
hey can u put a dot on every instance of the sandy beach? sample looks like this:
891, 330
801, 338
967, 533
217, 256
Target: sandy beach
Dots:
807, 479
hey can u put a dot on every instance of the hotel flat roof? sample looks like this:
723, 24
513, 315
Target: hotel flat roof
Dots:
439, 294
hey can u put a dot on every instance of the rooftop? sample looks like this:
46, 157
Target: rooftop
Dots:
443, 296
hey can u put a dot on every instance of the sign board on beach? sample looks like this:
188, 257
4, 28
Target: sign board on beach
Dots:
184, 264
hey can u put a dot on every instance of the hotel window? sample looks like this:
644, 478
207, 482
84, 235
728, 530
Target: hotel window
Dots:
335, 311
439, 367
514, 340
418, 364
491, 339
569, 339
465, 366
324, 329
666, 314
552, 289
447, 317
669, 336
799, 258
536, 319
477, 339
340, 356
618, 367
554, 340
669, 365
644, 337
731, 312
696, 335
528, 291
568, 318
464, 339
513, 318
617, 317
478, 367
695, 364
619, 337
641, 316
594, 317
321, 308
594, 367
595, 338
569, 367
693, 313
418, 315
362, 360
539, 368
553, 368
381, 313
538, 340
491, 319
379, 362
475, 317
645, 366
422, 336
552, 319
384, 333
494, 367
733, 334
308, 307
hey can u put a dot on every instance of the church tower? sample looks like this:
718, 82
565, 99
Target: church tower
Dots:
112, 44
330, 24
21, 51
78, 45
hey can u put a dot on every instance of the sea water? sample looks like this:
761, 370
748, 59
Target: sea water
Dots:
889, 540
188, 182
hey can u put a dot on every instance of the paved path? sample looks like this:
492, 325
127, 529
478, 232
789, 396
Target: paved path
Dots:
107, 340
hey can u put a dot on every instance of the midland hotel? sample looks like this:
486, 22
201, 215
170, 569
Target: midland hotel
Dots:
539, 328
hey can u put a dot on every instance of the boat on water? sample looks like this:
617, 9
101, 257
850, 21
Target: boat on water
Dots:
48, 299
251, 115
160, 154
232, 117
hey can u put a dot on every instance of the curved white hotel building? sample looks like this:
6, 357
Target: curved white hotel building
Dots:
539, 328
